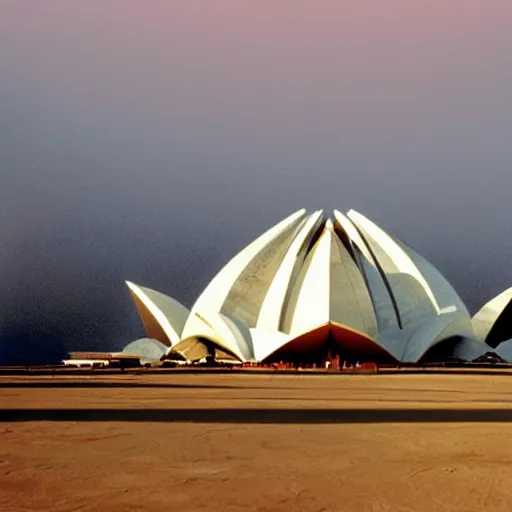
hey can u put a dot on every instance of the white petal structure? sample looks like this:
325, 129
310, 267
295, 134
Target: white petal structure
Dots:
240, 287
310, 288
493, 323
269, 317
148, 349
162, 316
504, 350
330, 288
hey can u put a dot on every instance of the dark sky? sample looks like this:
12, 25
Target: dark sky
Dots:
149, 141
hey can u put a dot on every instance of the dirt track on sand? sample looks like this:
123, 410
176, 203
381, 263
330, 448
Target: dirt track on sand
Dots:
212, 442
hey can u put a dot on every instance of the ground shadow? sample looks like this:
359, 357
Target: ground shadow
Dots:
262, 416
110, 384
63, 384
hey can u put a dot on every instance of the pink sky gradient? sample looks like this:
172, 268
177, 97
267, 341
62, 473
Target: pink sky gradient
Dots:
131, 127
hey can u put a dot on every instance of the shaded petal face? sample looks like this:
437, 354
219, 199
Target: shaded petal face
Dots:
239, 289
277, 296
147, 349
492, 323
408, 288
435, 331
330, 288
504, 350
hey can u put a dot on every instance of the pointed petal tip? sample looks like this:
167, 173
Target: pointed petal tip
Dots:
317, 214
294, 216
337, 214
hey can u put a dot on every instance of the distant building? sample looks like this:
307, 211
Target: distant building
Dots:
102, 360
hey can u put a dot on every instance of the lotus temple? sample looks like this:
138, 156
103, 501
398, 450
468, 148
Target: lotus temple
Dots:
313, 287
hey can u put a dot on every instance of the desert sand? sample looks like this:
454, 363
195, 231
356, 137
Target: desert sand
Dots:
270, 442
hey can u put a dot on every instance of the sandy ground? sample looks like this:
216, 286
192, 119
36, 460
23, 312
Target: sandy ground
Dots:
256, 442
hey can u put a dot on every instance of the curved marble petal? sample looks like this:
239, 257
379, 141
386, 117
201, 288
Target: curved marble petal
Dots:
493, 323
329, 288
163, 317
240, 286
271, 313
230, 334
148, 349
434, 331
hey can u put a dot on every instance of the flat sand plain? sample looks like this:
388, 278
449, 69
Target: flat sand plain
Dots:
241, 442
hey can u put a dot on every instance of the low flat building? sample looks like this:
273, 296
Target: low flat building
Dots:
102, 359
